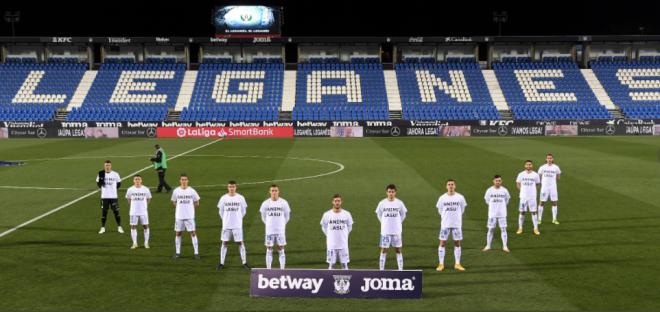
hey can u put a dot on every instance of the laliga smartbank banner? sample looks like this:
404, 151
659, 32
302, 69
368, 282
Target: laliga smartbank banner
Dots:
225, 132
336, 283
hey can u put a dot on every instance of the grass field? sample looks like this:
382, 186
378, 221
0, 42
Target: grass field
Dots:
605, 255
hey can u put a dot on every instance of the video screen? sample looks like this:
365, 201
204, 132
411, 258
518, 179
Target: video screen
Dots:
247, 21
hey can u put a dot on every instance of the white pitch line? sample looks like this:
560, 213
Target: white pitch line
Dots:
14, 187
94, 192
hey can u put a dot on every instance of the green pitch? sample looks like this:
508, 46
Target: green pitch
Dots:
605, 255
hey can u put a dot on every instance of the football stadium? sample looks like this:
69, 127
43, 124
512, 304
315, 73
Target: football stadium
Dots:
284, 156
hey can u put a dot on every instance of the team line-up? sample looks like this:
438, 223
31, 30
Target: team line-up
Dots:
337, 222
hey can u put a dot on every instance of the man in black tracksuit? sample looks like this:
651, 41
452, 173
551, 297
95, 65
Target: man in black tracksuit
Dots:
160, 164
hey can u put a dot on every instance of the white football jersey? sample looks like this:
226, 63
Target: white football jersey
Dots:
497, 199
139, 197
451, 209
391, 215
275, 215
528, 182
336, 227
549, 175
232, 209
109, 189
185, 202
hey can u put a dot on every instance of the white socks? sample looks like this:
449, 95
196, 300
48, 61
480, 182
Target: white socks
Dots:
441, 255
554, 213
269, 258
505, 238
521, 220
241, 250
457, 254
177, 244
146, 236
223, 253
134, 236
282, 258
195, 244
535, 221
399, 261
489, 237
381, 262
540, 213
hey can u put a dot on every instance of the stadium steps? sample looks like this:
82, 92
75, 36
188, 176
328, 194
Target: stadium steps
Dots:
289, 95
495, 90
60, 114
616, 113
285, 116
173, 115
392, 89
598, 89
396, 114
506, 115
187, 87
83, 88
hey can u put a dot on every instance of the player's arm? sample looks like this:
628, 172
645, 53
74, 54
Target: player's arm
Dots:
486, 196
349, 226
463, 206
158, 158
508, 197
196, 203
100, 178
287, 213
196, 199
128, 197
379, 213
221, 207
403, 212
262, 210
244, 207
324, 225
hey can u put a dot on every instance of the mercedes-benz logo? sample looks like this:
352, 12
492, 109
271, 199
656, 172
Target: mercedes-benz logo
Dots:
42, 133
395, 131
502, 130
151, 132
610, 130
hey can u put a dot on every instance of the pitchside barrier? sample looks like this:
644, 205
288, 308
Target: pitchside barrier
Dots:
336, 283
393, 128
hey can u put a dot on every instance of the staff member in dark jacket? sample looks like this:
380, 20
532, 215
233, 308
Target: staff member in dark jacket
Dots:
160, 164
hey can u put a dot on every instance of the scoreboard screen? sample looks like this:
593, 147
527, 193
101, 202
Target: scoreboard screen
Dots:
247, 21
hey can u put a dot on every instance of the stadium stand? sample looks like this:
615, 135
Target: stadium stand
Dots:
236, 92
340, 92
548, 90
444, 91
633, 86
131, 92
34, 92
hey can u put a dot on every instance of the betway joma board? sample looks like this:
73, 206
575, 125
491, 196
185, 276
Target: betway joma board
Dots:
336, 283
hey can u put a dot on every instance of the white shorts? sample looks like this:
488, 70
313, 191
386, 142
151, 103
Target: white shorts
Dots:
227, 234
392, 240
186, 224
456, 234
493, 221
134, 220
549, 193
332, 255
272, 239
527, 205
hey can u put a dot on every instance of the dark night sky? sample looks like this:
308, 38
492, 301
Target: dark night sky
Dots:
334, 18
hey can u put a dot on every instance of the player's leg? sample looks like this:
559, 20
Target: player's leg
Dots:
504, 235
178, 229
521, 216
268, 242
344, 258
554, 197
385, 242
535, 220
105, 205
133, 221
542, 199
168, 188
281, 243
193, 236
490, 225
398, 244
238, 238
145, 225
225, 236
457, 235
114, 205
331, 258
444, 233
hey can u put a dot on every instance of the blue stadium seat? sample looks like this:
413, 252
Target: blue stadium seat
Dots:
341, 92
33, 92
444, 91
633, 86
548, 90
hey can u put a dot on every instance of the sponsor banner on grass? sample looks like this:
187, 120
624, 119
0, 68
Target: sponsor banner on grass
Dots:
222, 132
336, 283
